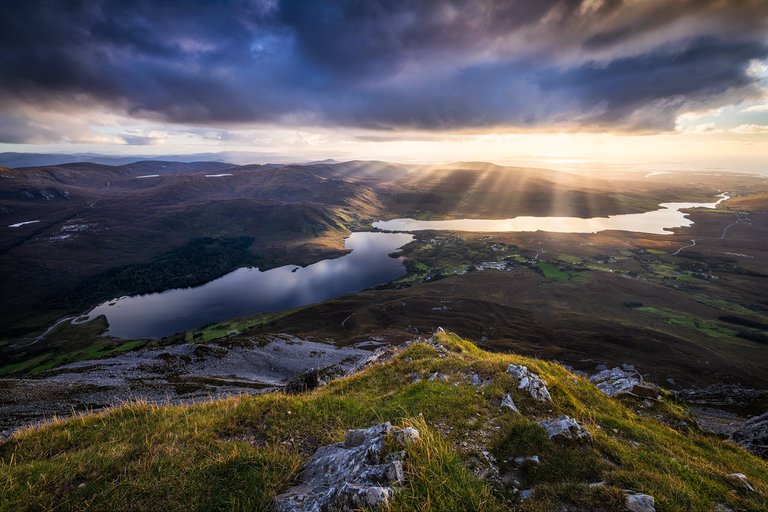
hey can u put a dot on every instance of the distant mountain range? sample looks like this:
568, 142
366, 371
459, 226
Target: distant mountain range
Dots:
12, 160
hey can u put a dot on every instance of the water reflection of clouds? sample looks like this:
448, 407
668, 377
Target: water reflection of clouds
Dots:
248, 290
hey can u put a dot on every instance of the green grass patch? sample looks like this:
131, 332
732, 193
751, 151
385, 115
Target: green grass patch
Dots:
231, 327
677, 319
730, 306
572, 260
416, 272
551, 271
26, 365
663, 270
598, 268
68, 343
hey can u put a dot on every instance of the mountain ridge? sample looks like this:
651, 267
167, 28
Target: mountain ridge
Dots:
473, 451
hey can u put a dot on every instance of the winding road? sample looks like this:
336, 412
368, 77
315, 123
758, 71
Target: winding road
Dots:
721, 237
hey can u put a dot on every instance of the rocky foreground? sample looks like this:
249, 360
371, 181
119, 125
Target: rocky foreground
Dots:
172, 375
436, 424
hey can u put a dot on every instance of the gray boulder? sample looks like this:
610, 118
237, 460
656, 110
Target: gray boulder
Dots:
478, 381
640, 503
508, 403
618, 381
350, 475
565, 428
531, 382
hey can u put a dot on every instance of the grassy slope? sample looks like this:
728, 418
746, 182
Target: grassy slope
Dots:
237, 453
66, 343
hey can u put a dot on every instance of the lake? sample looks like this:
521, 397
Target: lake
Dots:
248, 291
658, 222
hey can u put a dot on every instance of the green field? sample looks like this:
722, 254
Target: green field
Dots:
677, 319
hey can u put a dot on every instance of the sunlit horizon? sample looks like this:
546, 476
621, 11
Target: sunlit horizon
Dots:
588, 86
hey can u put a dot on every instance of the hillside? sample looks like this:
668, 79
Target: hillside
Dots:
95, 221
473, 451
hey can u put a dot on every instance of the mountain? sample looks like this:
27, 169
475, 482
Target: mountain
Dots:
472, 431
42, 159
76, 235
94, 219
11, 159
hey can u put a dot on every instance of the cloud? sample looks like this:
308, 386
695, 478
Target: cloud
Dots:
701, 128
757, 108
750, 129
380, 64
143, 137
28, 124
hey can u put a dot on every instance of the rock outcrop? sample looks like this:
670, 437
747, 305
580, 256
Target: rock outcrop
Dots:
174, 374
351, 475
380, 355
618, 381
565, 428
530, 382
753, 435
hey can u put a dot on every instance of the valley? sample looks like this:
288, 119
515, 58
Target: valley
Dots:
686, 305
339, 256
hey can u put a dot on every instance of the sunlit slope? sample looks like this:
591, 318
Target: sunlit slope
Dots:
239, 453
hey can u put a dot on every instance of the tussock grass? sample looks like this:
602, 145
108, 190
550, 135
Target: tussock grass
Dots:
236, 454
436, 479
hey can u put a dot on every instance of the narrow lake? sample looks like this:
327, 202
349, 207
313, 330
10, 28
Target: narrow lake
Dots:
658, 222
247, 291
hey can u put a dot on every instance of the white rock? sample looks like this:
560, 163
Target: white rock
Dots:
350, 475
741, 479
404, 436
565, 427
509, 403
640, 503
530, 382
617, 381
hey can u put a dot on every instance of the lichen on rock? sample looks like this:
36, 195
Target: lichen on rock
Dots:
351, 475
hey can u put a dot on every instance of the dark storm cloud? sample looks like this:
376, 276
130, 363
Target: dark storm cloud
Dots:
381, 63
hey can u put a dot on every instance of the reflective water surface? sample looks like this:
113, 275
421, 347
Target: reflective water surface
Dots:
659, 222
248, 291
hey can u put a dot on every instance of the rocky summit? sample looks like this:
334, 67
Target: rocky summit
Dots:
434, 424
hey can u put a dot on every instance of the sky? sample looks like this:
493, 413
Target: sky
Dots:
587, 83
